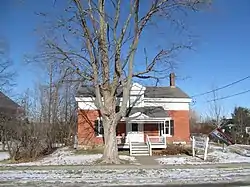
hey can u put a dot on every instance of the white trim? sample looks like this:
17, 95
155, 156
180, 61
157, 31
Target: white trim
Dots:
164, 128
88, 103
168, 135
159, 129
139, 115
168, 100
145, 120
84, 99
99, 135
147, 99
136, 136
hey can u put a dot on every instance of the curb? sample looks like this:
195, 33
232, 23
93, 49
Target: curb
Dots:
117, 167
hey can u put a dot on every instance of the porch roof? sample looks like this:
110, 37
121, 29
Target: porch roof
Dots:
152, 112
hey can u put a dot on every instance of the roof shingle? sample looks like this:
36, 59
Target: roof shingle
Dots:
150, 92
154, 112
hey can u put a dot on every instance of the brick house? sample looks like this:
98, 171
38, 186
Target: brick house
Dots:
155, 115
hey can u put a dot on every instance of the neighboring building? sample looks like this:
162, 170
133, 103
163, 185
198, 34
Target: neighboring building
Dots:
8, 107
155, 114
9, 110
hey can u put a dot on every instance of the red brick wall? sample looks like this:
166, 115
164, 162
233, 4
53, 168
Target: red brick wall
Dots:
151, 129
86, 133
181, 126
86, 125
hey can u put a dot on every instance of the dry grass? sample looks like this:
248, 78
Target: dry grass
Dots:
98, 150
173, 150
95, 150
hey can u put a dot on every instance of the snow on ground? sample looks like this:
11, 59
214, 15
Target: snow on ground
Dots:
65, 156
217, 156
101, 177
4, 155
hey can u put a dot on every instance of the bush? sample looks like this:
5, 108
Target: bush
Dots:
25, 140
173, 150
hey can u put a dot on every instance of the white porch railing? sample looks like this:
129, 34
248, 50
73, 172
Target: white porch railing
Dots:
149, 145
130, 147
121, 139
157, 139
154, 141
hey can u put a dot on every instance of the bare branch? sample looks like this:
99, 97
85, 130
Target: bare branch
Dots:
100, 43
7, 74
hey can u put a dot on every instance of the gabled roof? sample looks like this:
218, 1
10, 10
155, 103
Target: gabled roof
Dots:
150, 92
154, 112
165, 92
7, 105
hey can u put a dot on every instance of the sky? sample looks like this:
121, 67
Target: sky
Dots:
221, 55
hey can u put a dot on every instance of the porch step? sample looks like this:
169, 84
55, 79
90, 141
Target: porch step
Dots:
139, 149
141, 154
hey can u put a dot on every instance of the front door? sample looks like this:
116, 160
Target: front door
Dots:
135, 132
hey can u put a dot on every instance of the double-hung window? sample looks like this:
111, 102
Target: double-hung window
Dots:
99, 127
167, 128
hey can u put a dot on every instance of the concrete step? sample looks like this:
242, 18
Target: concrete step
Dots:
140, 154
135, 147
139, 150
139, 145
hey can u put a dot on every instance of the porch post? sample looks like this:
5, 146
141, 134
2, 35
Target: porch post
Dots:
127, 130
164, 137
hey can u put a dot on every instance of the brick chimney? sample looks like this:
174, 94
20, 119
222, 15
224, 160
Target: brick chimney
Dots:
172, 80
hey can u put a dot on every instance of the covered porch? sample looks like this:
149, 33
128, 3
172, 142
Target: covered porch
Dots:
145, 129
140, 135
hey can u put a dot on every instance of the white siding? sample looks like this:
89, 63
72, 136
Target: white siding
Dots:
137, 100
169, 106
86, 105
89, 105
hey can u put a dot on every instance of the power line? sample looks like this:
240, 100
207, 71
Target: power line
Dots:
221, 98
220, 88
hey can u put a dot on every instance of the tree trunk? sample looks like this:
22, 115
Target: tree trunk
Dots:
110, 154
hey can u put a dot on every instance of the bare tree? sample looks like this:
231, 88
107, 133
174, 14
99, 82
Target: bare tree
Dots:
98, 40
216, 112
194, 119
7, 73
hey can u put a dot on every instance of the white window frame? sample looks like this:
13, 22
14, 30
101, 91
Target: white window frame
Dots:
163, 131
99, 127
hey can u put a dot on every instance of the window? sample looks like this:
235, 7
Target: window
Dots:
167, 128
99, 131
134, 127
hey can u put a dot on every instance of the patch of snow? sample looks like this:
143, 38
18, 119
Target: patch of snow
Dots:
128, 158
104, 177
4, 156
239, 149
65, 156
214, 157
214, 146
229, 157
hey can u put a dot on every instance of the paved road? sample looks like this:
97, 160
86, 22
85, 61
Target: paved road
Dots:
101, 177
131, 166
236, 184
